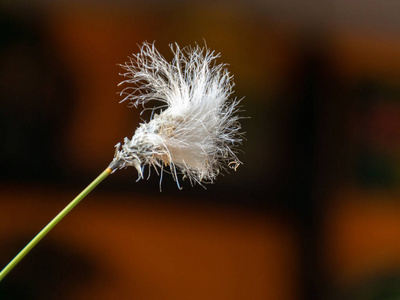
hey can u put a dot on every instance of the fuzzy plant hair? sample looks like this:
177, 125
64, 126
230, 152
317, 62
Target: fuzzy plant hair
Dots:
196, 129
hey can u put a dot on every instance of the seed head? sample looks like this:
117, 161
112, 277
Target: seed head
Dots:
196, 130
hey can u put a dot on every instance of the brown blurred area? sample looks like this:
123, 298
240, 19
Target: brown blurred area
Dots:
313, 213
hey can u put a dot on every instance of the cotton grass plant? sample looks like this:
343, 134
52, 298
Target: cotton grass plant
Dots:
193, 134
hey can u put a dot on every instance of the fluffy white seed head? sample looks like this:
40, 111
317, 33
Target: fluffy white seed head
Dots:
196, 129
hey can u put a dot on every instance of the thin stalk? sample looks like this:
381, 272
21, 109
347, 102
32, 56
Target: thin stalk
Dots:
53, 223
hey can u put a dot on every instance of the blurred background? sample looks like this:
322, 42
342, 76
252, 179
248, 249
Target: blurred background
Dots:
314, 212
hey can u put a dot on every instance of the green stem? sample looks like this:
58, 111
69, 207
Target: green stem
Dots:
53, 223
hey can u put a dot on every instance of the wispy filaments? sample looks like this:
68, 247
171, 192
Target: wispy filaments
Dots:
196, 131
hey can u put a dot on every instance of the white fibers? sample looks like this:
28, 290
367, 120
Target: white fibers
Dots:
196, 129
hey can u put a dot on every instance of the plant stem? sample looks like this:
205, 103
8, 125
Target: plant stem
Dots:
53, 223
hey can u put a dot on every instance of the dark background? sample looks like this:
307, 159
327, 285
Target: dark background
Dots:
314, 211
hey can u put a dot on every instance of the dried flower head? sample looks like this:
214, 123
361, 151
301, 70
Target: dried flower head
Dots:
196, 129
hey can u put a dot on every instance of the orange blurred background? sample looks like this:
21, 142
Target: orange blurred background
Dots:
314, 211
